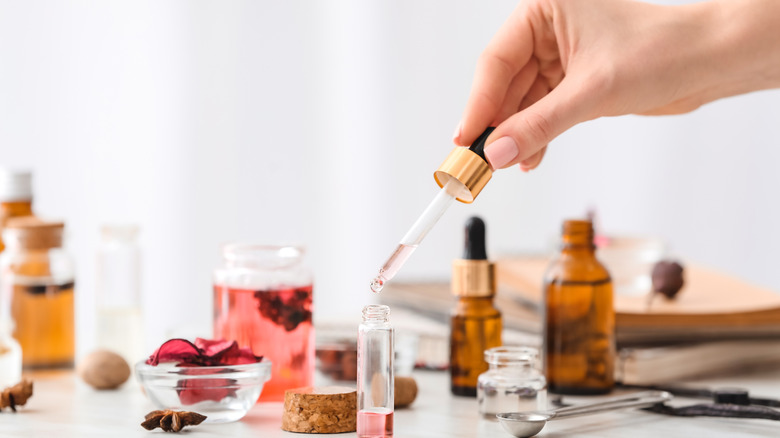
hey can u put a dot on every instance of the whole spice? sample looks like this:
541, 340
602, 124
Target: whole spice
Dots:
103, 369
16, 395
667, 278
171, 421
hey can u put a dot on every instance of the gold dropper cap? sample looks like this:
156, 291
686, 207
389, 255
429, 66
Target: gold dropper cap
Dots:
473, 278
474, 275
469, 167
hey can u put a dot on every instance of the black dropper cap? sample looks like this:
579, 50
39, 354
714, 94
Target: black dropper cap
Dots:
474, 248
478, 147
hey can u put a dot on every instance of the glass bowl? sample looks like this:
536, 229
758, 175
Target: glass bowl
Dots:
223, 393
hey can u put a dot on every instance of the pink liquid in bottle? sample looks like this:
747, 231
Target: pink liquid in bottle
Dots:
375, 423
276, 324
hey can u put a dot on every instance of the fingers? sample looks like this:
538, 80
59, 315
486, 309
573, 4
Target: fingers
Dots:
533, 161
522, 137
508, 52
518, 89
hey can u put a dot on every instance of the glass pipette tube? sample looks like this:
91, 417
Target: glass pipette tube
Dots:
417, 232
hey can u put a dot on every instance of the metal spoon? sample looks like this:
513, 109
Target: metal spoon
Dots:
528, 424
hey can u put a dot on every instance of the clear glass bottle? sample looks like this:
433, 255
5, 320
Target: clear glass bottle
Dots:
375, 381
119, 320
15, 196
263, 300
37, 285
513, 383
579, 332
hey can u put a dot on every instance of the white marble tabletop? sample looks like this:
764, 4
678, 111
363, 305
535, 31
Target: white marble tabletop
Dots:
65, 407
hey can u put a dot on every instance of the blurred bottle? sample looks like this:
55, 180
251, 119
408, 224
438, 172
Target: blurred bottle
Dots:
579, 333
119, 319
15, 196
37, 286
10, 354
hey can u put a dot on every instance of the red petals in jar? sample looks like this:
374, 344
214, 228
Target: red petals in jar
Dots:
203, 352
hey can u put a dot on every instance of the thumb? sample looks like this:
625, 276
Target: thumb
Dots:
527, 132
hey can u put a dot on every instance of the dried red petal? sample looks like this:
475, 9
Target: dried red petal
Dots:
193, 391
215, 347
175, 350
222, 352
240, 356
204, 352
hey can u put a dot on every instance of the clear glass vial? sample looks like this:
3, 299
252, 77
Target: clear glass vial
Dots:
513, 383
375, 381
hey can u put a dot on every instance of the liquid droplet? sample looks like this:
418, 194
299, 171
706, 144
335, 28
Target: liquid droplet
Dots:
377, 284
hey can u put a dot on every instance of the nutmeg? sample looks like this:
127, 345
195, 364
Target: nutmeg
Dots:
667, 278
103, 369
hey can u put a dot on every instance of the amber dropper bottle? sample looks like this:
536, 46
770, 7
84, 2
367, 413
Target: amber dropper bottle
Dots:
476, 324
579, 333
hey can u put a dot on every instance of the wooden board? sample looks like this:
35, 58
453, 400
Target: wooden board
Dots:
711, 305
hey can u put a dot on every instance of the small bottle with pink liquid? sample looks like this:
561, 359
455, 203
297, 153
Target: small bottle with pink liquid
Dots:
375, 374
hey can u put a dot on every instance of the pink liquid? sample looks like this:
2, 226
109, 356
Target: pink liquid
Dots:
276, 324
392, 266
375, 423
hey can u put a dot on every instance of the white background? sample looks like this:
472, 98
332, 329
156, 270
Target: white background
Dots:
322, 123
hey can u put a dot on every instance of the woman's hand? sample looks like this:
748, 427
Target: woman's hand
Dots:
556, 63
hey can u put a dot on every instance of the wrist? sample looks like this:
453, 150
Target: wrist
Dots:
743, 49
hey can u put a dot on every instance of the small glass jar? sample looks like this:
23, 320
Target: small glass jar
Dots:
263, 300
37, 287
513, 383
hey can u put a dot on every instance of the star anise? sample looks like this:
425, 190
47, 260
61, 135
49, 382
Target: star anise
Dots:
171, 421
16, 395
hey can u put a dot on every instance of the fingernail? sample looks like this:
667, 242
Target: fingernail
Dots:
501, 152
456, 134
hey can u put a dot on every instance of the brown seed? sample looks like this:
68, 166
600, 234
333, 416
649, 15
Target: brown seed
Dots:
171, 421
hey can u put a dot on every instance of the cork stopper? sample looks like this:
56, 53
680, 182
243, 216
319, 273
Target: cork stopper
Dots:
32, 233
327, 409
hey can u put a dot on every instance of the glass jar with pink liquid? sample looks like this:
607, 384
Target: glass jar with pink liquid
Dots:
263, 300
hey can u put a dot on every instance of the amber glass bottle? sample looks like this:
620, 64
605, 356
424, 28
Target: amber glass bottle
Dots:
476, 324
15, 196
579, 330
37, 279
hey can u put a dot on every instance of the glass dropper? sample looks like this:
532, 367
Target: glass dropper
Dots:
462, 176
411, 240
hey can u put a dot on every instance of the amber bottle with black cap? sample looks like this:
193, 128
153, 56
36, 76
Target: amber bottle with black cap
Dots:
476, 323
579, 333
